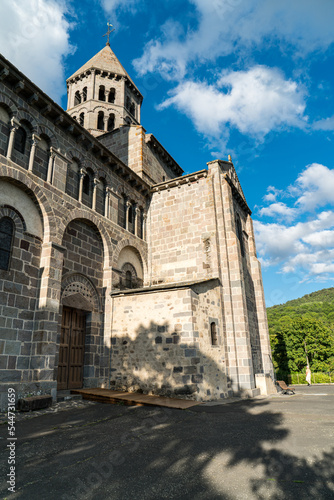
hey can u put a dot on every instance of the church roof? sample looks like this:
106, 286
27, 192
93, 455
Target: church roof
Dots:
104, 60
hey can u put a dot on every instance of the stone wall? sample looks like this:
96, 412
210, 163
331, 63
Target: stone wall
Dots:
156, 166
161, 343
21, 352
182, 232
129, 144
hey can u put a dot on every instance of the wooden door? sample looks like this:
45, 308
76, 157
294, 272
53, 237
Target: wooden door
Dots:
71, 349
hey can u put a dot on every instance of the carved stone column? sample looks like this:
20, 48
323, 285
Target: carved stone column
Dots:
144, 226
95, 183
50, 166
82, 174
127, 209
14, 125
107, 202
137, 221
93, 75
35, 141
105, 122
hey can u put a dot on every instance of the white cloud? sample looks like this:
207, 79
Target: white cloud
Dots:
315, 263
270, 197
306, 248
322, 239
325, 124
293, 246
34, 36
110, 6
233, 26
272, 194
280, 210
316, 185
255, 102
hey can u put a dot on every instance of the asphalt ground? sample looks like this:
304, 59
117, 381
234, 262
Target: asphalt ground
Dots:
276, 448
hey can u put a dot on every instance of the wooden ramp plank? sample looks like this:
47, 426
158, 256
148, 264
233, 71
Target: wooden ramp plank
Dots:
133, 398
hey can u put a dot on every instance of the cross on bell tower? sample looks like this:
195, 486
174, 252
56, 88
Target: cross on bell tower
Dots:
108, 32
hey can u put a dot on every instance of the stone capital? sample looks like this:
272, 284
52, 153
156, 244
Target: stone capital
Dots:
35, 139
14, 122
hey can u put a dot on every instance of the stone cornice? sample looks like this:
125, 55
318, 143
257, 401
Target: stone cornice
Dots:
88, 71
179, 181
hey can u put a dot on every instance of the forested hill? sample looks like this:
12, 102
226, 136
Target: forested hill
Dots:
317, 305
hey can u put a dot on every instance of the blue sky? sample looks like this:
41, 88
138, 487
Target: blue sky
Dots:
250, 78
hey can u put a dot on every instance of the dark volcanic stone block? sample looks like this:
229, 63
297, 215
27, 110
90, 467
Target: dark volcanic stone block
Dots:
34, 403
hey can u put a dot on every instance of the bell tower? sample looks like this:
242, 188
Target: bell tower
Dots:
101, 96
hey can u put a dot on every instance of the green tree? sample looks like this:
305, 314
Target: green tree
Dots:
300, 339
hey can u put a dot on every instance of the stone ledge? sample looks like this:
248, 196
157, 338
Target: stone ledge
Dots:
34, 403
162, 287
179, 181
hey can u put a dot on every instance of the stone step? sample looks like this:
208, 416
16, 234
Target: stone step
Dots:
133, 398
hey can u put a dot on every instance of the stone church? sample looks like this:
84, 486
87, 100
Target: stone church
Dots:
116, 270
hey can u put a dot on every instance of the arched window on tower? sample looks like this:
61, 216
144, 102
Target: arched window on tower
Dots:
111, 123
84, 94
111, 97
20, 140
77, 98
100, 120
213, 331
102, 93
82, 119
128, 103
6, 241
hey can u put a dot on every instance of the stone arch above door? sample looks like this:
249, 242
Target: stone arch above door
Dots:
79, 293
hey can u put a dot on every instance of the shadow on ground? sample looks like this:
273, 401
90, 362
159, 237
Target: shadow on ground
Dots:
250, 449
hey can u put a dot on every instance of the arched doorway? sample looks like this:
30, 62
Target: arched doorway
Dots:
80, 322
